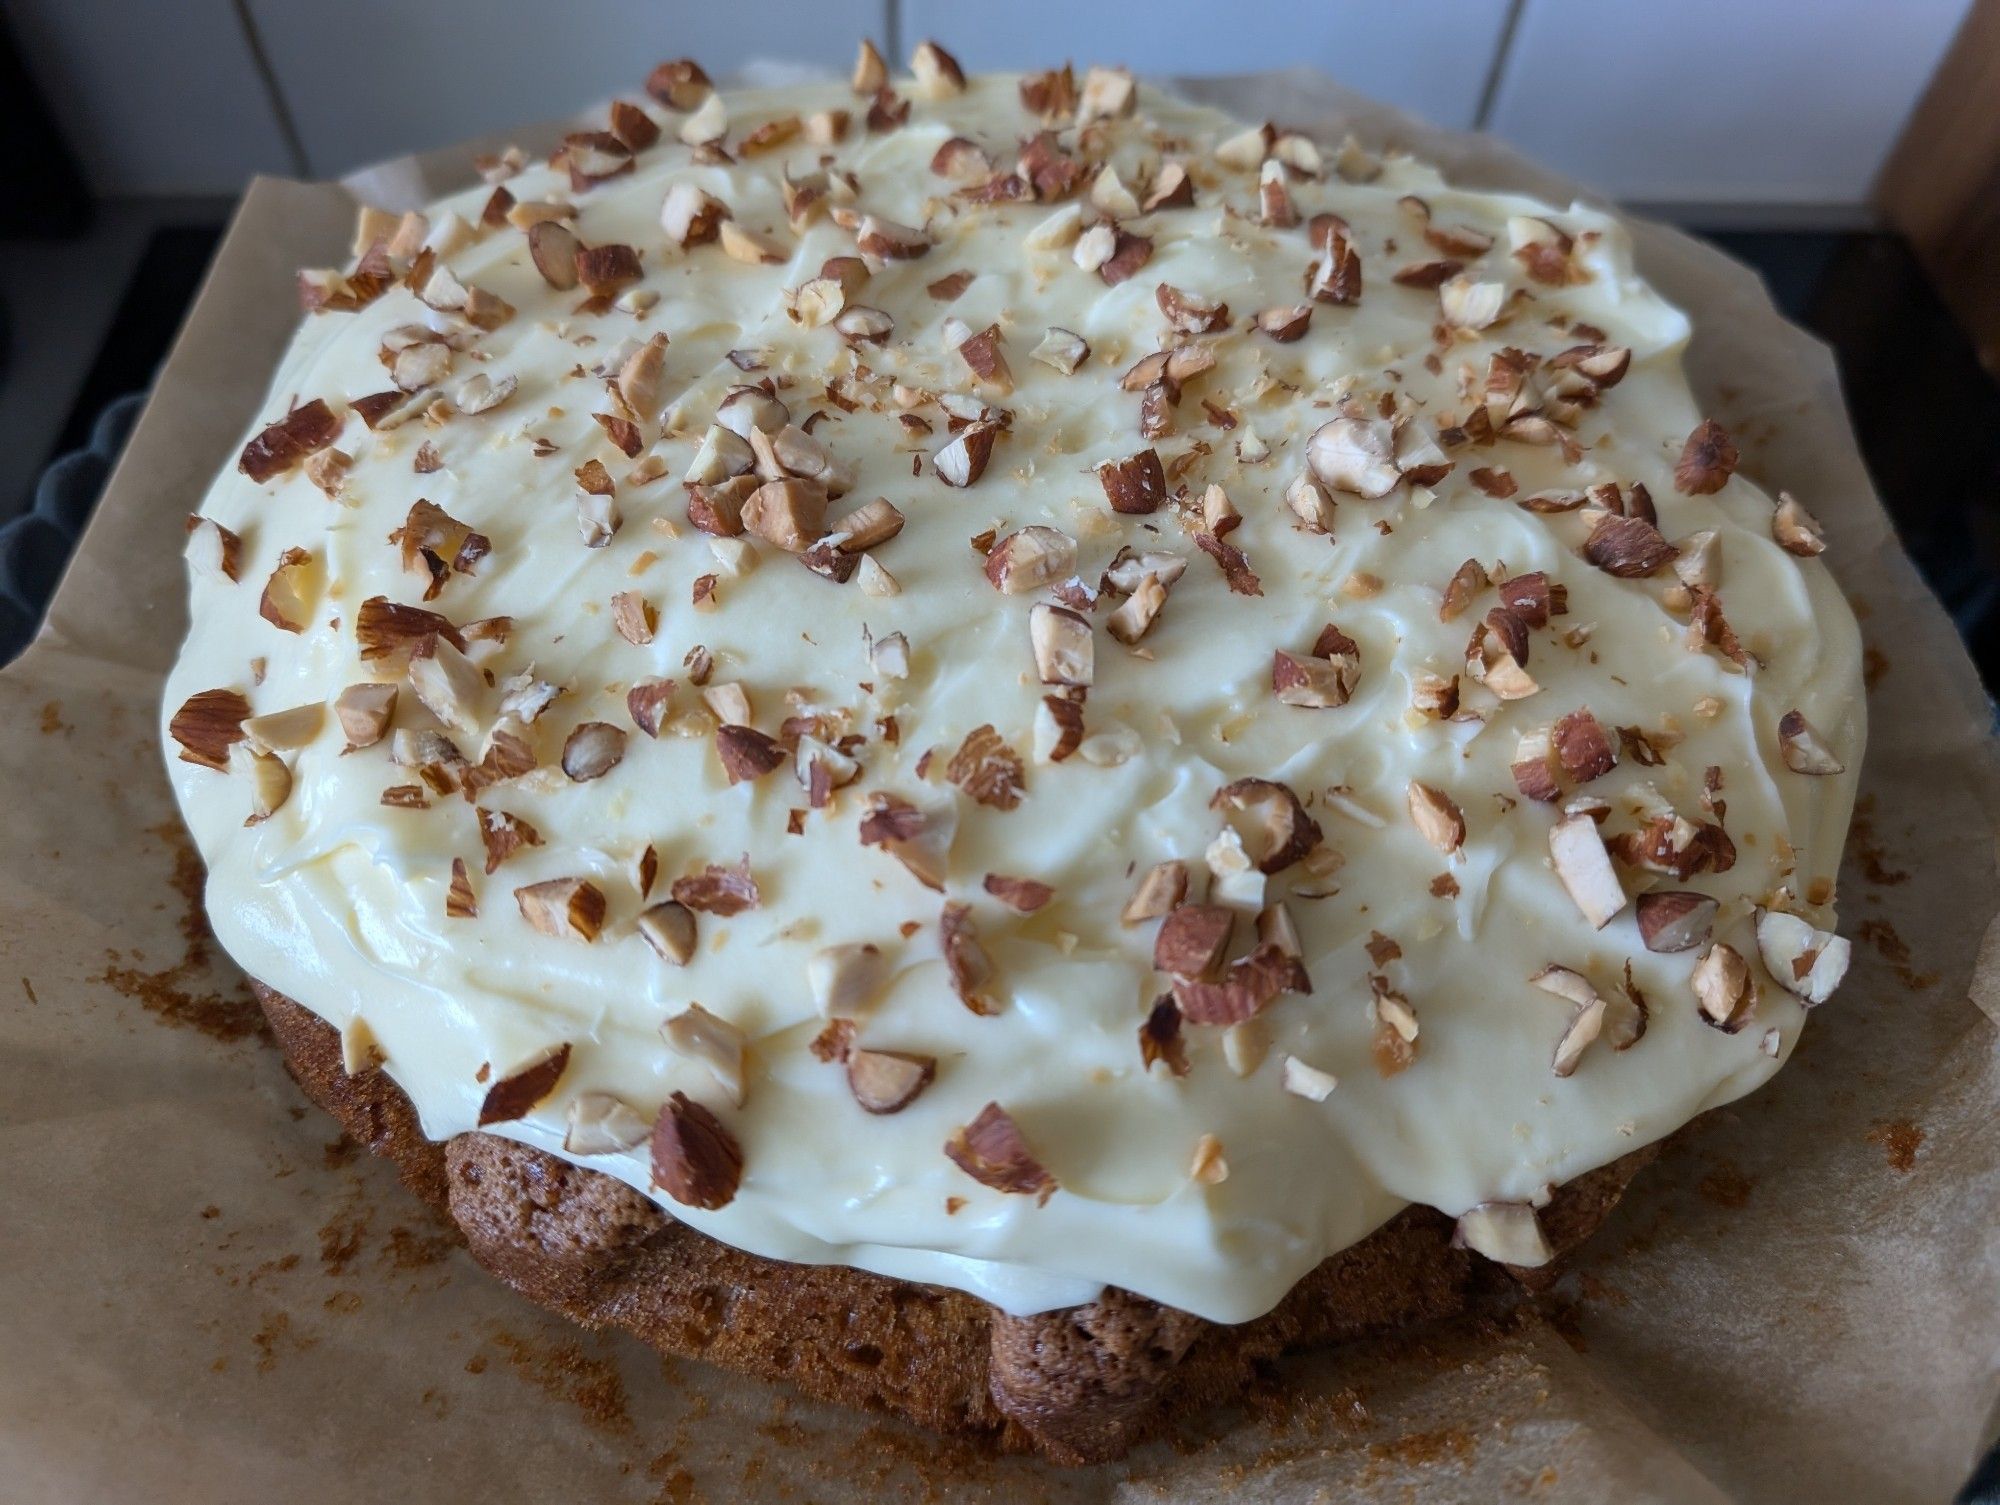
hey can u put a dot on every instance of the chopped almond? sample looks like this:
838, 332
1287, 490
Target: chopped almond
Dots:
993, 1152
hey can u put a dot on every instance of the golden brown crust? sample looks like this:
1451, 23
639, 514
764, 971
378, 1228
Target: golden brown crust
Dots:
1080, 1385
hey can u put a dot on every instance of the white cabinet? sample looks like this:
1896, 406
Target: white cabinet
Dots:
1745, 104
157, 96
1428, 56
367, 79
1765, 102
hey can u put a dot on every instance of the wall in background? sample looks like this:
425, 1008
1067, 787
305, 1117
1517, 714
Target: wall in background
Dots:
1702, 104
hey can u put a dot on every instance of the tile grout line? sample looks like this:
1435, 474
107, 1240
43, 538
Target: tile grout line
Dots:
1489, 90
287, 127
892, 30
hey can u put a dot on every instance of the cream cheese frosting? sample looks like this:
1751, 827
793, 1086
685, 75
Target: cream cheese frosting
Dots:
1421, 1065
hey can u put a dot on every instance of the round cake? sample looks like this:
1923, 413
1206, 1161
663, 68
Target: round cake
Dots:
1058, 741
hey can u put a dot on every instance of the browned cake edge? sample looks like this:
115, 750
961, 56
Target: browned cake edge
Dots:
1080, 1385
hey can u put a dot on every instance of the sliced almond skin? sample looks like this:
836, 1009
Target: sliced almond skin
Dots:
516, 1096
1193, 940
566, 908
992, 1151
696, 1161
207, 725
669, 928
1437, 816
1723, 988
1803, 749
1674, 920
888, 1081
1802, 960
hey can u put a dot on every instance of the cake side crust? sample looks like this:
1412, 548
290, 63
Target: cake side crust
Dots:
1080, 1385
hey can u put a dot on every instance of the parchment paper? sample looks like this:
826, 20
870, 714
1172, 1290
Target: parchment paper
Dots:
209, 1299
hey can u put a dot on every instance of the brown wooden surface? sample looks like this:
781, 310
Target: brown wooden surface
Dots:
1941, 184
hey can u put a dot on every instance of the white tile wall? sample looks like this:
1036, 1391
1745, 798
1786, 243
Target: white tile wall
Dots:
157, 96
1722, 101
1709, 102
1429, 56
367, 79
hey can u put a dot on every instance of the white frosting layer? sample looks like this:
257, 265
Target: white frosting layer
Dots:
340, 901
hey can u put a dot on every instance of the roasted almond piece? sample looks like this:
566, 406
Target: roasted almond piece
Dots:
1582, 747
1628, 547
517, 1095
364, 712
271, 786
888, 1081
1803, 749
875, 236
208, 725
965, 959
1708, 459
679, 84
288, 595
570, 909
1674, 920
1795, 529
1355, 455
600, 1124
554, 249
1065, 650
696, 1161
712, 1040
987, 769
1162, 888
276, 449
869, 525
1584, 866
1107, 93
1022, 895
646, 703
719, 890
1724, 988
1436, 815
592, 750
1135, 615
669, 927
1465, 303
287, 730
1063, 350
1506, 1232
1313, 683
503, 835
871, 73
746, 753
1135, 485
1289, 833
963, 461
789, 513
846, 979
1030, 559
691, 217
1193, 940
919, 839
993, 1152
1803, 961
1285, 324
213, 551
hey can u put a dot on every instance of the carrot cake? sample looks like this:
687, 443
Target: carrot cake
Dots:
1001, 744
